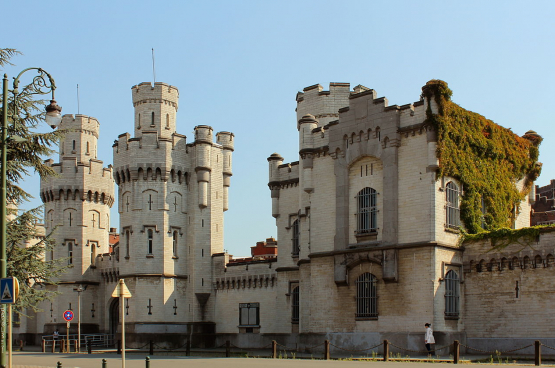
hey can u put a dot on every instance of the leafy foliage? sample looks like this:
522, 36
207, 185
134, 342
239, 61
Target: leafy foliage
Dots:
487, 159
25, 247
501, 238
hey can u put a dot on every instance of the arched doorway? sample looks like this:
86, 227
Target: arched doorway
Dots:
114, 318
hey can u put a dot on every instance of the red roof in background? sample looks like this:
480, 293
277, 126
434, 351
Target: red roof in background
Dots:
113, 239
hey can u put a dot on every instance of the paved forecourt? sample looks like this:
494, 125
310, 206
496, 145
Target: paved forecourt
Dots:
35, 360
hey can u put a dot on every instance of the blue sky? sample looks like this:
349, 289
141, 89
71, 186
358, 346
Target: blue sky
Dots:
239, 64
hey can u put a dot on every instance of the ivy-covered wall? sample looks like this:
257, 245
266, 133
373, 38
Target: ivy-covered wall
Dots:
487, 159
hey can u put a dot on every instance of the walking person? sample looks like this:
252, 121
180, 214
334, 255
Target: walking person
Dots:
429, 339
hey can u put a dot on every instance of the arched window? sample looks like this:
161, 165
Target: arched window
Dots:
175, 243
452, 205
93, 246
295, 305
150, 235
367, 296
367, 211
452, 294
295, 238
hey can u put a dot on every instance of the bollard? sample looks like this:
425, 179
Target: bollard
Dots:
59, 365
227, 349
62, 346
119, 347
385, 350
104, 363
20, 345
456, 352
53, 346
77, 346
44, 346
151, 347
327, 350
147, 362
274, 349
537, 352
89, 347
188, 348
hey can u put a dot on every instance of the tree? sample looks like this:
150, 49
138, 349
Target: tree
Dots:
26, 245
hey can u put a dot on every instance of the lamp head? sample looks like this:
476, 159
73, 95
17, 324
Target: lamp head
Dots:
53, 114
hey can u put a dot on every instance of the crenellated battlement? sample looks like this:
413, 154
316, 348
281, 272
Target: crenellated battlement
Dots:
226, 140
203, 134
324, 105
160, 93
80, 123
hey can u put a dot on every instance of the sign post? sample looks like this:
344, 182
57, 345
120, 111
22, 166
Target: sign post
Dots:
121, 291
68, 316
9, 291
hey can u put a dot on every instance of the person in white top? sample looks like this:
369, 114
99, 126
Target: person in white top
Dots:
429, 339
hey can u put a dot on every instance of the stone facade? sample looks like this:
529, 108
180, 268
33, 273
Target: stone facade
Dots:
361, 203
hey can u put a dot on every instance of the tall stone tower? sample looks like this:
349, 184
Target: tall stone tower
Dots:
77, 211
172, 196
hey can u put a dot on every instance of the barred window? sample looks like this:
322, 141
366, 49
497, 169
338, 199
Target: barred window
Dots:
295, 238
453, 209
367, 296
367, 211
295, 305
452, 294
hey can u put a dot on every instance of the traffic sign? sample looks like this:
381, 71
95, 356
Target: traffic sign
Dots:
68, 315
9, 290
121, 290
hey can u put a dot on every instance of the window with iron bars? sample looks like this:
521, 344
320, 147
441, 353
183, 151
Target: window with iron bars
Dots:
453, 219
367, 211
452, 294
367, 296
295, 305
295, 238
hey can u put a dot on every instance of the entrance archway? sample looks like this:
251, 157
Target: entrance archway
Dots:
114, 318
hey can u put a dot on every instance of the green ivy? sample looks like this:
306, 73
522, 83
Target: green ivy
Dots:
501, 238
487, 159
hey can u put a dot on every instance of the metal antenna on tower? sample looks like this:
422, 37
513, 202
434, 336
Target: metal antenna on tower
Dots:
153, 69
78, 112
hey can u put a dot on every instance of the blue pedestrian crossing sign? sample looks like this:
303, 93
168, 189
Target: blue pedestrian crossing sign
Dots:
9, 290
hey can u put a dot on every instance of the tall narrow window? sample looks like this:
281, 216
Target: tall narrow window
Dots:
295, 238
167, 120
452, 205
152, 121
367, 211
127, 244
69, 253
93, 253
150, 236
452, 294
175, 243
295, 305
88, 146
73, 146
367, 296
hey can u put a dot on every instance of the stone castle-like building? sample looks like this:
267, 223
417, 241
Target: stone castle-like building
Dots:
367, 241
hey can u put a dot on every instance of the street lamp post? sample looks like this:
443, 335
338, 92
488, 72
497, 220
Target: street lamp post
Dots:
43, 83
79, 290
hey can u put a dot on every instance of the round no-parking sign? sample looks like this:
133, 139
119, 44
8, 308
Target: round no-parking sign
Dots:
68, 315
